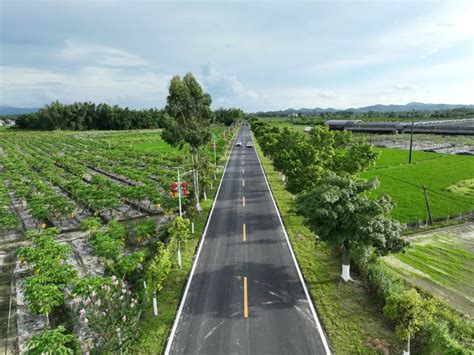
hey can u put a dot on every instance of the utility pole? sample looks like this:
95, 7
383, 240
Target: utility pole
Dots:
179, 194
215, 155
411, 137
430, 218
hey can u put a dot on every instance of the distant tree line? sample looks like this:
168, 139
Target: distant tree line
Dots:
82, 116
228, 116
304, 118
86, 115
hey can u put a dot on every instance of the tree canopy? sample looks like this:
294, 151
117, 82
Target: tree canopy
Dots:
188, 113
87, 115
340, 212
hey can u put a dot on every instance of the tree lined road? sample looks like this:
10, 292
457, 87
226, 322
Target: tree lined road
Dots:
245, 295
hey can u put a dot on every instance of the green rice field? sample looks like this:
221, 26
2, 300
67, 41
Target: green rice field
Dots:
437, 172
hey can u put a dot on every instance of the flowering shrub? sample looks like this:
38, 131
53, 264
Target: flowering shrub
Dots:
112, 313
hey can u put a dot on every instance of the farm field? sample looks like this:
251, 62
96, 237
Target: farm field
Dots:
404, 183
62, 179
441, 262
58, 179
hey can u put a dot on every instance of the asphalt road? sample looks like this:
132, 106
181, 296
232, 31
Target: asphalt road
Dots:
245, 294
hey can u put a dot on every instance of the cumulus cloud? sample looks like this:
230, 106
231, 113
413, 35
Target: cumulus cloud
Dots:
225, 88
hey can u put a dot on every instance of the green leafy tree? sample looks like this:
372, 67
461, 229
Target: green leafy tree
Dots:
358, 158
179, 233
187, 120
106, 247
339, 211
91, 224
145, 230
128, 264
410, 311
43, 296
53, 342
116, 230
157, 272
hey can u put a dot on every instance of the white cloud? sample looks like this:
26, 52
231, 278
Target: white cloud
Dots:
79, 51
225, 89
37, 87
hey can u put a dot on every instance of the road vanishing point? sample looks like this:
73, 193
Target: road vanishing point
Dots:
245, 294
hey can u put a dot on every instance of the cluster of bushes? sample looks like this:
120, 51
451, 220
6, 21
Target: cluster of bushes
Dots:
322, 168
444, 331
45, 291
109, 306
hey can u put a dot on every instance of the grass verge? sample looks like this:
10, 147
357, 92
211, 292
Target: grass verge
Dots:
351, 316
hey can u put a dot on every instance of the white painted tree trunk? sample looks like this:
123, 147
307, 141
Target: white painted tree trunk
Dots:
407, 351
196, 182
205, 195
155, 305
346, 262
346, 274
179, 255
192, 227
283, 177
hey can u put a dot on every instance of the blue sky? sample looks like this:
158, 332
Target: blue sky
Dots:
254, 55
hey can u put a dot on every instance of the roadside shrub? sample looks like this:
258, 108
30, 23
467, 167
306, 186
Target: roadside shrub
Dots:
53, 341
145, 230
112, 314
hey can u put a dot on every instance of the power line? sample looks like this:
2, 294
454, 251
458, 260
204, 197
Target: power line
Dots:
431, 191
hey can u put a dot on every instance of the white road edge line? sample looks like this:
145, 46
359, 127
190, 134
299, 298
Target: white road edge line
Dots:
188, 284
310, 302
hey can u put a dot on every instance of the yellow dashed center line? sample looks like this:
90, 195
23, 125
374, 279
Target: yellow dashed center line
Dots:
243, 201
246, 305
243, 182
244, 232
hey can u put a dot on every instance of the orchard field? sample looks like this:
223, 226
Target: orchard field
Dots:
58, 179
102, 202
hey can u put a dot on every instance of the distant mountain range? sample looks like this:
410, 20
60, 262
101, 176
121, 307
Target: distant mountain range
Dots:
412, 106
416, 106
8, 110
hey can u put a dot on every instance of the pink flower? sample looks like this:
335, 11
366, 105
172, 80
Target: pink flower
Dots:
82, 312
97, 303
